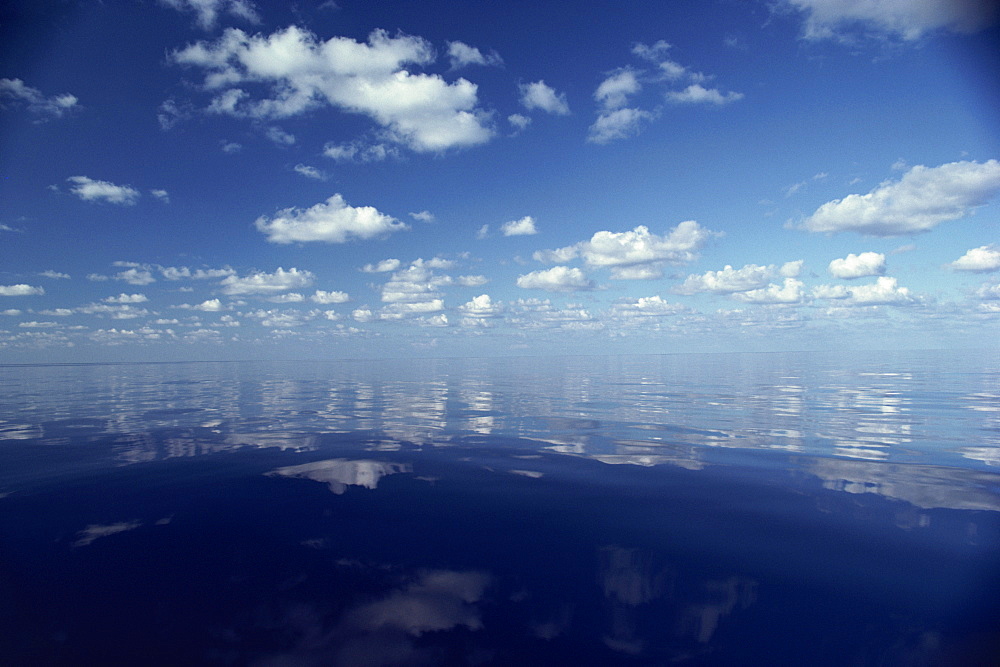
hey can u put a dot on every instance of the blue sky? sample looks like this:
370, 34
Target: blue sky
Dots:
220, 179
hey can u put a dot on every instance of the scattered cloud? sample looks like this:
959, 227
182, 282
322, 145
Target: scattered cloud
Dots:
360, 151
39, 105
922, 199
183, 272
332, 221
539, 95
883, 292
170, 114
790, 292
55, 275
618, 124
647, 306
91, 190
983, 259
906, 19
323, 297
309, 172
423, 216
279, 136
614, 91
267, 283
20, 290
698, 94
94, 532
127, 298
461, 55
858, 266
162, 195
519, 121
634, 254
556, 279
135, 276
383, 266
728, 280
420, 111
208, 11
523, 227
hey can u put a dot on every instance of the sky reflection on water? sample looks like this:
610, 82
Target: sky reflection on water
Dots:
693, 509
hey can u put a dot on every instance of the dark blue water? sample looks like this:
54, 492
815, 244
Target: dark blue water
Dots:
652, 510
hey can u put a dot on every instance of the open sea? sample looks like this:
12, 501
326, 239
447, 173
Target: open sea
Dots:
757, 509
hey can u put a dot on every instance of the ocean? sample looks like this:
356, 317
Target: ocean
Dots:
732, 509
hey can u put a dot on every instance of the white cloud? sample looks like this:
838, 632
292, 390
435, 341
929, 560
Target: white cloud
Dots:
362, 315
923, 198
983, 259
483, 232
208, 10
471, 281
907, 19
518, 121
614, 91
332, 221
791, 269
231, 147
728, 280
462, 54
538, 95
323, 297
789, 292
179, 272
127, 298
208, 306
423, 216
883, 292
38, 325
291, 297
279, 136
654, 53
45, 107
987, 291
383, 266
91, 190
416, 283
135, 276
359, 151
481, 306
556, 279
636, 253
267, 283
169, 114
647, 306
858, 266
123, 311
523, 227
54, 274
698, 94
162, 195
617, 124
14, 312
309, 172
56, 312
421, 111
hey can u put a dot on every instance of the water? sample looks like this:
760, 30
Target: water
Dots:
648, 510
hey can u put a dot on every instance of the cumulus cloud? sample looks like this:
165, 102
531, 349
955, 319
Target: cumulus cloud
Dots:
135, 276
556, 279
421, 111
883, 292
614, 91
422, 216
539, 95
906, 19
360, 151
332, 221
617, 124
91, 190
858, 266
179, 272
208, 11
54, 274
519, 121
634, 254
43, 107
728, 280
324, 297
267, 283
309, 172
523, 227
383, 266
922, 199
461, 54
983, 259
791, 291
417, 283
208, 306
20, 290
646, 306
698, 94
480, 307
127, 298
987, 291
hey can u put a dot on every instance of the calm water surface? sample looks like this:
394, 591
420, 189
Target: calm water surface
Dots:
646, 510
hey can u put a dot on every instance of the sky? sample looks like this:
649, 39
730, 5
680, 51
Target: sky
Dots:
225, 179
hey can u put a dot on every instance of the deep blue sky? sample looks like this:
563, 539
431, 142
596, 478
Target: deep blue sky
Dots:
217, 179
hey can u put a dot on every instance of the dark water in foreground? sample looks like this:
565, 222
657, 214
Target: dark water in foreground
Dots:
718, 510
